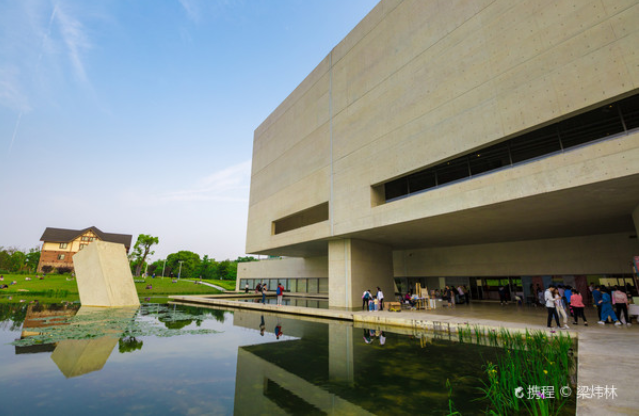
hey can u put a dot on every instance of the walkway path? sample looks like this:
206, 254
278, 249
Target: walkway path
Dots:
607, 354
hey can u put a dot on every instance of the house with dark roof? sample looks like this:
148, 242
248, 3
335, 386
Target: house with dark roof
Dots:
60, 244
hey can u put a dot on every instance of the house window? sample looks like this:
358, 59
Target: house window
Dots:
63, 245
85, 239
82, 246
60, 256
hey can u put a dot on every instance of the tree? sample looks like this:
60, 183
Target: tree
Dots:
33, 258
18, 261
190, 263
141, 250
208, 268
246, 259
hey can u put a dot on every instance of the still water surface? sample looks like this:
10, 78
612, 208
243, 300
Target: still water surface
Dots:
166, 359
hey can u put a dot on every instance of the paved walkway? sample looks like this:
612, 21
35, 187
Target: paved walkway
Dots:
607, 354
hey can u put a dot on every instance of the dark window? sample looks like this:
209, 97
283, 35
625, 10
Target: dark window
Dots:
421, 180
395, 188
489, 159
583, 128
452, 170
535, 144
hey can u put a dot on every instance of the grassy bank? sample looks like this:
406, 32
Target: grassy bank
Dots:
59, 288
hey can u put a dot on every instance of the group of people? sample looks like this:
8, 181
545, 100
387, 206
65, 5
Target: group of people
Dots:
604, 298
262, 288
368, 300
565, 302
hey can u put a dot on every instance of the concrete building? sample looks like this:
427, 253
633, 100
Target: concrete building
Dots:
455, 142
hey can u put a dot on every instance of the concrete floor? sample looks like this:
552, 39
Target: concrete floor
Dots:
607, 355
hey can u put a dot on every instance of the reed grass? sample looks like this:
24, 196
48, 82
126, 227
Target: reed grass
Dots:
526, 365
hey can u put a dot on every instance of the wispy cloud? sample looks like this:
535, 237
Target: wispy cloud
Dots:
12, 93
199, 10
75, 39
227, 185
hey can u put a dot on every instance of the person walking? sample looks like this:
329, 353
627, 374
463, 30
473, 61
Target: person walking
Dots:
597, 299
560, 307
607, 309
550, 303
578, 307
619, 298
380, 297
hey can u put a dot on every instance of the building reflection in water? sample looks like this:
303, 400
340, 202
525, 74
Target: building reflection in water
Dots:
75, 357
337, 367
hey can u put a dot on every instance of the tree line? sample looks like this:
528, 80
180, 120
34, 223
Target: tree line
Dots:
185, 264
14, 260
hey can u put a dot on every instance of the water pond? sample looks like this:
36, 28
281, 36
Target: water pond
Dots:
172, 359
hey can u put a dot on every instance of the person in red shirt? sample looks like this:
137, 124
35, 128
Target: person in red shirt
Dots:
578, 307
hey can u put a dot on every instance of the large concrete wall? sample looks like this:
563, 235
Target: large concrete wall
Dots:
598, 254
418, 82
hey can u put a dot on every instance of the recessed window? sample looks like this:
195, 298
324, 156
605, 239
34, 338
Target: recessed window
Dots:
64, 245
82, 246
614, 118
301, 219
60, 256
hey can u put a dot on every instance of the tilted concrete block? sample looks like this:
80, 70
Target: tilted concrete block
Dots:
104, 277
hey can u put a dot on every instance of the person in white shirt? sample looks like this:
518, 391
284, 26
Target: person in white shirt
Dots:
549, 302
380, 298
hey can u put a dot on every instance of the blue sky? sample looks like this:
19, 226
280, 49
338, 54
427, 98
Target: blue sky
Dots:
138, 116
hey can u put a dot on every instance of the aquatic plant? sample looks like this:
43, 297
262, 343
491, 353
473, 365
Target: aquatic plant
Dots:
527, 373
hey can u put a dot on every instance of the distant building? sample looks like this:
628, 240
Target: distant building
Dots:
59, 244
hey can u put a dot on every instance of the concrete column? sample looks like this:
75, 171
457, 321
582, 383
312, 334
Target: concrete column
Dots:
341, 353
634, 214
357, 265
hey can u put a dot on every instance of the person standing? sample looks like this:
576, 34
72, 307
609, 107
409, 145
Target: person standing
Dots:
502, 291
380, 297
279, 294
619, 298
263, 289
550, 303
567, 298
246, 288
578, 307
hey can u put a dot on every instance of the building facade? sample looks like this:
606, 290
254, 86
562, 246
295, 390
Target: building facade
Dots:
455, 141
60, 244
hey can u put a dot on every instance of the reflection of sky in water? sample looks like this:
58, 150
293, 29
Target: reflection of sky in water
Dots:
181, 374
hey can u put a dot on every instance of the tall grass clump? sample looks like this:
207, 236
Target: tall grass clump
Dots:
525, 369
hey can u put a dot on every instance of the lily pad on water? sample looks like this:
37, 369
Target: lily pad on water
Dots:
89, 323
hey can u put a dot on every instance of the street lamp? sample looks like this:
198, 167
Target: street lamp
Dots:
180, 268
163, 266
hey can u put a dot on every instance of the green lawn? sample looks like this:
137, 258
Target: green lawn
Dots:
58, 288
